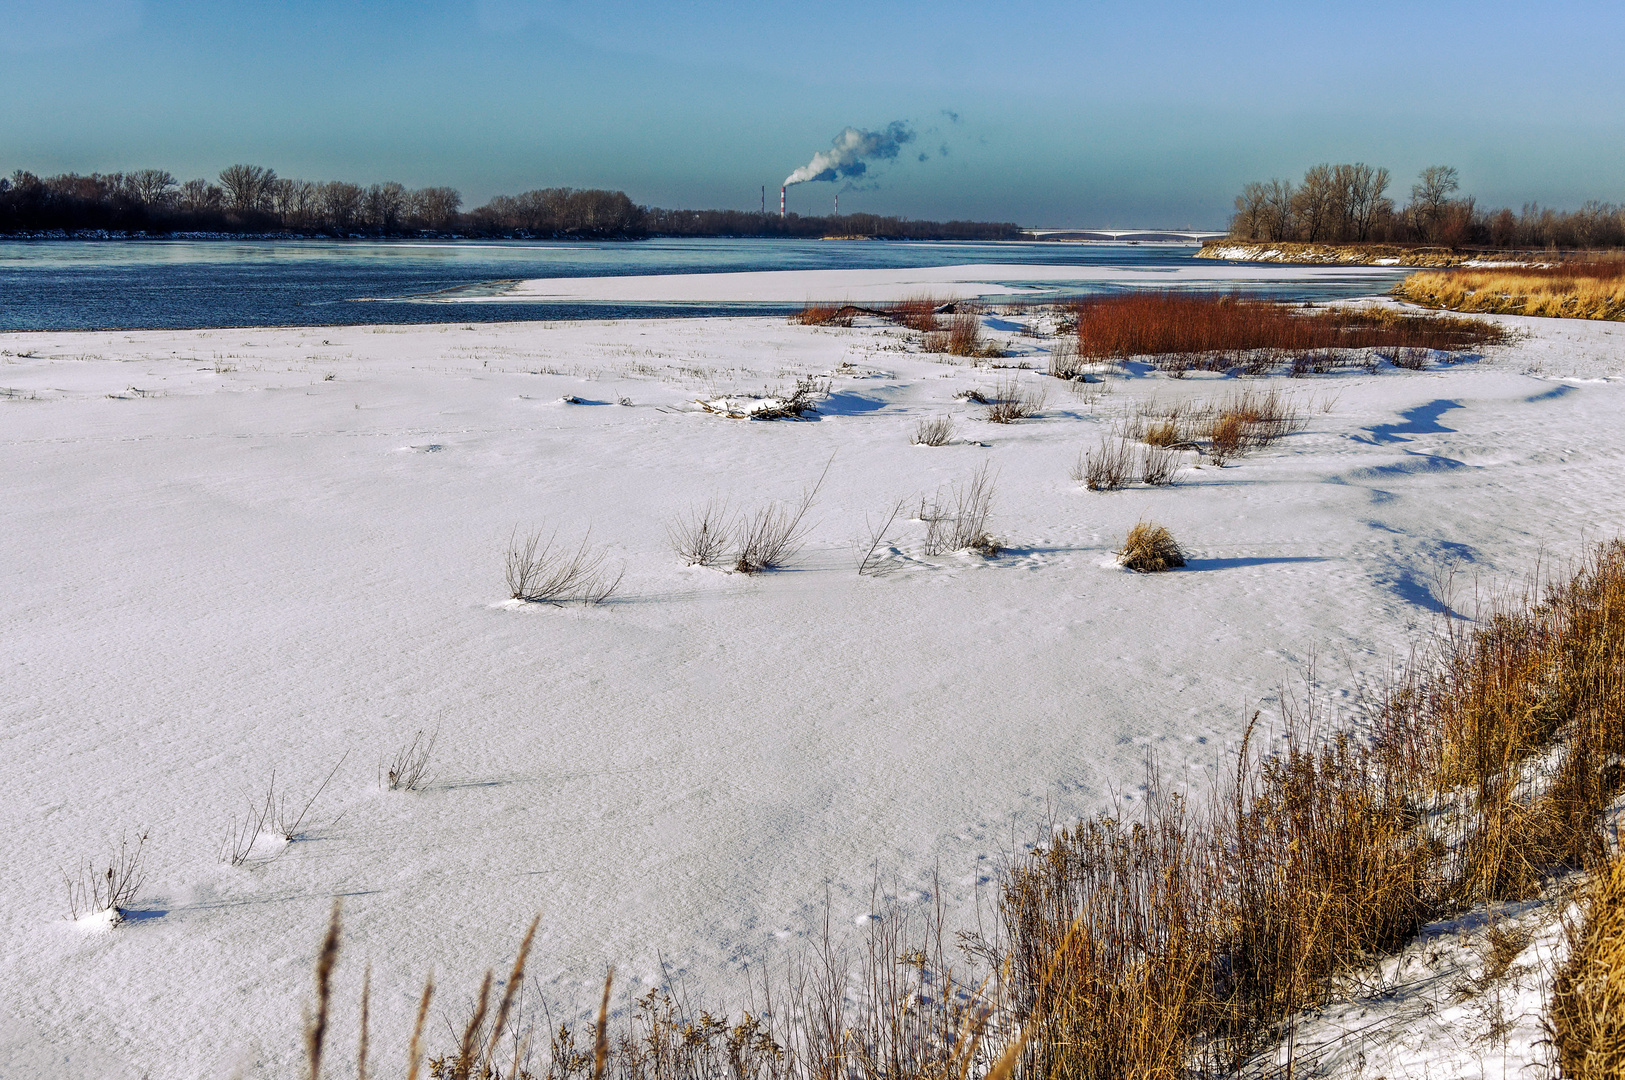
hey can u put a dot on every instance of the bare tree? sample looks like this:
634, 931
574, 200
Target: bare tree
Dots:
1315, 205
1430, 195
340, 203
1252, 212
200, 195
383, 206
434, 207
247, 187
154, 187
1278, 205
1367, 199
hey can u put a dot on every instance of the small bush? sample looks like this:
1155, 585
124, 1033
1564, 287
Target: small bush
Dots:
916, 312
108, 888
933, 431
1011, 401
959, 522
772, 536
409, 769
1149, 549
543, 572
823, 315
700, 536
1159, 465
1107, 467
1227, 437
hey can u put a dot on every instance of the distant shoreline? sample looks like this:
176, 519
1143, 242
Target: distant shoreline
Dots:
1284, 251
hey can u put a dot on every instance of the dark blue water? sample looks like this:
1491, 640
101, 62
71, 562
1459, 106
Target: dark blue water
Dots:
144, 284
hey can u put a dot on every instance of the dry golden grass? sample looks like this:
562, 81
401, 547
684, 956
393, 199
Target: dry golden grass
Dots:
1579, 290
1163, 433
1150, 548
1588, 996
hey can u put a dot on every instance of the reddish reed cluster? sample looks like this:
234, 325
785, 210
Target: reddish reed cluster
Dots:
1181, 331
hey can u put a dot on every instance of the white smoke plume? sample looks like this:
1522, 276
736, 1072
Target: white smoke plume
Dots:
851, 152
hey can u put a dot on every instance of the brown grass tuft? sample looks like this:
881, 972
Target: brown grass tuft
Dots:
1150, 548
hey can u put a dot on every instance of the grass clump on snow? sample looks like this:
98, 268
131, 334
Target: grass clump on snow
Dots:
105, 890
933, 431
1150, 549
542, 571
962, 338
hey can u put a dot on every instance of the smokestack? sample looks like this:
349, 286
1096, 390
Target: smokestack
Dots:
837, 204
764, 200
781, 202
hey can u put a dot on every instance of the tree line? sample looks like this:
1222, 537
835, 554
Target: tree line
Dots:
1341, 204
254, 199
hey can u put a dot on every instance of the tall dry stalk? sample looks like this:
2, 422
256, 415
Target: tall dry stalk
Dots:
316, 1020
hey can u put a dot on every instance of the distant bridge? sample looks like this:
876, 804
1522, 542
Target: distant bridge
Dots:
1152, 235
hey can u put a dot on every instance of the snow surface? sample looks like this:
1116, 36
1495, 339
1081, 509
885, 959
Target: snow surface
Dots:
229, 552
881, 285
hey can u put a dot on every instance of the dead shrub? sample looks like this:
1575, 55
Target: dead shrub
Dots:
823, 315
1159, 465
779, 404
408, 770
1227, 437
700, 535
1251, 420
541, 571
933, 431
1064, 362
917, 312
1107, 467
1010, 401
871, 559
959, 521
1149, 549
771, 537
108, 888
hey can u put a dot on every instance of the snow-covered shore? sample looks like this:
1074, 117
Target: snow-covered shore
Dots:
230, 552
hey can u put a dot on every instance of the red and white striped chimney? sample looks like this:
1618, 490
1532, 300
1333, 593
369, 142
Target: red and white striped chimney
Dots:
781, 202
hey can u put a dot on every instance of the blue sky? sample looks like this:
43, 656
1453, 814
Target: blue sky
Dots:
1147, 113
